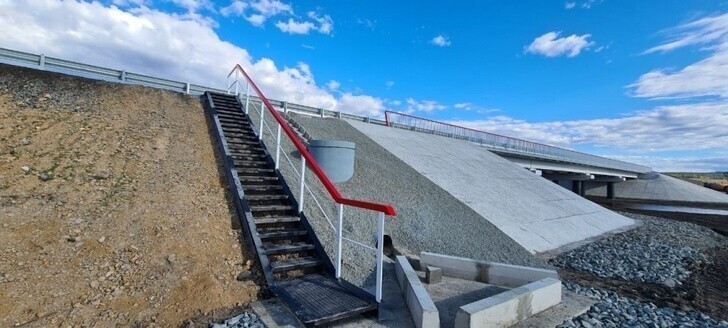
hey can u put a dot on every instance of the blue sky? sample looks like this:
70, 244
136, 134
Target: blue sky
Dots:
642, 81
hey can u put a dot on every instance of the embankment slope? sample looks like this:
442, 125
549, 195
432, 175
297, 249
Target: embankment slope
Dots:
111, 208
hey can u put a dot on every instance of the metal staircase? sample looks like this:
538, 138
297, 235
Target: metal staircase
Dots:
293, 261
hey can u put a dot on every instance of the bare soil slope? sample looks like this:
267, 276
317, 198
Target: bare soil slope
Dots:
112, 212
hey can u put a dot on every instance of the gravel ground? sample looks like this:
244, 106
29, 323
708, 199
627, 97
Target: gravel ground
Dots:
613, 310
428, 218
660, 251
243, 320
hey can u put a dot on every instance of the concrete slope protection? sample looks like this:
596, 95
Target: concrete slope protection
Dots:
664, 188
428, 217
537, 213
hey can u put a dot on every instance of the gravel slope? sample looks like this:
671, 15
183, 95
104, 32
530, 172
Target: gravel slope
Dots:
428, 218
111, 208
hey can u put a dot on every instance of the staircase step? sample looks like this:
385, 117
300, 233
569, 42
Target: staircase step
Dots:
275, 249
229, 111
238, 135
282, 234
241, 163
242, 142
252, 170
262, 208
262, 187
266, 197
293, 264
278, 219
256, 178
237, 118
246, 155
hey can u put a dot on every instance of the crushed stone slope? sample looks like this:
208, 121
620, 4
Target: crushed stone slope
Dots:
535, 212
664, 187
428, 218
111, 208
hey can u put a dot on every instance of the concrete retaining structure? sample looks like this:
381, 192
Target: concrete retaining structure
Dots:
493, 273
509, 308
535, 212
662, 187
423, 311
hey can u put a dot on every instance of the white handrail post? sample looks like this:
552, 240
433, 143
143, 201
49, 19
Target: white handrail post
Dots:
262, 114
237, 78
247, 97
278, 146
303, 183
380, 255
227, 85
339, 234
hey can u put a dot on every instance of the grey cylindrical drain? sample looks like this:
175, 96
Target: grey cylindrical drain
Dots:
336, 158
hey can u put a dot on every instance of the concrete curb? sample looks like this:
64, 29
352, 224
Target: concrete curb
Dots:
423, 311
509, 308
493, 273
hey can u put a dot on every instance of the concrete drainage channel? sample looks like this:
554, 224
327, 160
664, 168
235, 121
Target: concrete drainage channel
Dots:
455, 285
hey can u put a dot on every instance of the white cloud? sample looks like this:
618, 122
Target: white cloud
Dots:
360, 104
586, 4
707, 77
147, 41
441, 41
426, 106
256, 12
333, 85
326, 24
308, 46
677, 164
665, 128
192, 6
294, 27
389, 84
236, 8
550, 45
465, 106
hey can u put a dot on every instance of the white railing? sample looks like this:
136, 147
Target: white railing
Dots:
234, 85
500, 143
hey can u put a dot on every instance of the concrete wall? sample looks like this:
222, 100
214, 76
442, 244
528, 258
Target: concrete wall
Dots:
537, 213
511, 307
422, 309
664, 187
494, 273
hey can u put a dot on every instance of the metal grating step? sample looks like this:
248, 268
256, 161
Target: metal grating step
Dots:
277, 219
281, 234
276, 249
294, 264
318, 299
262, 208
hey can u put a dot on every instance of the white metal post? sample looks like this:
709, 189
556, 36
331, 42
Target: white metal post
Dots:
278, 146
303, 183
247, 97
41, 62
339, 234
262, 115
227, 86
237, 78
380, 254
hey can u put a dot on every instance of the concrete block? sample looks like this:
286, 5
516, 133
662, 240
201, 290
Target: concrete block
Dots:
509, 308
422, 309
433, 275
493, 273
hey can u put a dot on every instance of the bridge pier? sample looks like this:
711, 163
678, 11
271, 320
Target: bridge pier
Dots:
577, 187
610, 190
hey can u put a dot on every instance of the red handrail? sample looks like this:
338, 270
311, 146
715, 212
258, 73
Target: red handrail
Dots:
335, 194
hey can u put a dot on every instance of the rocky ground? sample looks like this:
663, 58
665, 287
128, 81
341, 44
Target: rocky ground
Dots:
664, 273
112, 211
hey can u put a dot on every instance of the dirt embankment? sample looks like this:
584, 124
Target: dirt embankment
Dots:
112, 212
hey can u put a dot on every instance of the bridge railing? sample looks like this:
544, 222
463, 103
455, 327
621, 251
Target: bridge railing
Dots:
239, 79
501, 143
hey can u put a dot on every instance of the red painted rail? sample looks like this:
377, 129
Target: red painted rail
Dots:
313, 165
